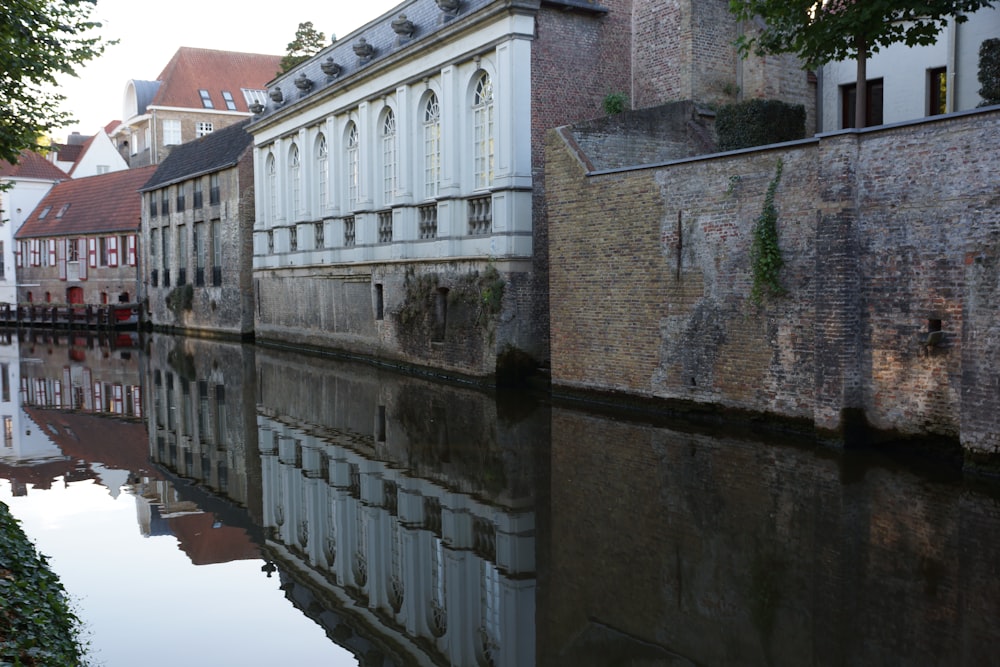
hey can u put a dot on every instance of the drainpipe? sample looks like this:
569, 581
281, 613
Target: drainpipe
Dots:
950, 97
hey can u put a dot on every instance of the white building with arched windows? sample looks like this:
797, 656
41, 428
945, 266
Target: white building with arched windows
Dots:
398, 213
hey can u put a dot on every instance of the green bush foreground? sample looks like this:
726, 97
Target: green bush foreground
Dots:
37, 626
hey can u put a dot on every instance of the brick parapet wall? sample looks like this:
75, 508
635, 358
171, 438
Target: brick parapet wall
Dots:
875, 229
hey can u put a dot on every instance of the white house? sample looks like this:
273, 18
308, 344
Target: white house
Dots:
907, 83
29, 181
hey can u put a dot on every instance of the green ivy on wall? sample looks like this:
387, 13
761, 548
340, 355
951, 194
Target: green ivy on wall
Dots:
765, 254
759, 122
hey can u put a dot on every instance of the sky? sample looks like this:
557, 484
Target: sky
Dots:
150, 34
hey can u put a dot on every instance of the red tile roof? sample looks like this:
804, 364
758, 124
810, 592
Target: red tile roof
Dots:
191, 70
104, 203
69, 152
31, 165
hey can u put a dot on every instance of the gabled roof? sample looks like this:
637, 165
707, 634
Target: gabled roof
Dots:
213, 152
105, 203
31, 165
83, 149
191, 70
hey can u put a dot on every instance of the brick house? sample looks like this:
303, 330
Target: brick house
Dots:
80, 244
199, 91
197, 219
401, 210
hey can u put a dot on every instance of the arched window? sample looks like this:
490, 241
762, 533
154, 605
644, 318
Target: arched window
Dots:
272, 186
322, 173
353, 167
388, 156
295, 185
482, 123
432, 146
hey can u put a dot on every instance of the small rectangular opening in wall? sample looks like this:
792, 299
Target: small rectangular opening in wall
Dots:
379, 302
440, 315
935, 334
380, 424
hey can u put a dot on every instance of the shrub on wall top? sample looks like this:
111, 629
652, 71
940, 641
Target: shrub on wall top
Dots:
989, 71
759, 122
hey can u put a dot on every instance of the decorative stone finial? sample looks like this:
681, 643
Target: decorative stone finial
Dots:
330, 68
364, 50
403, 26
256, 108
449, 7
303, 83
277, 95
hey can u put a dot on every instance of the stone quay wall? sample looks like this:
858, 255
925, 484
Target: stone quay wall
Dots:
887, 317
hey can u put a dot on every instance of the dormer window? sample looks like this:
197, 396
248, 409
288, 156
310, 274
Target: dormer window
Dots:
45, 212
62, 211
230, 102
206, 99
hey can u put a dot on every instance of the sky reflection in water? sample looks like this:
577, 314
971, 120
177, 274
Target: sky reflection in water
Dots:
142, 600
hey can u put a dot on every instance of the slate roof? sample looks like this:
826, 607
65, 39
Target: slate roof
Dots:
192, 69
104, 203
213, 152
31, 165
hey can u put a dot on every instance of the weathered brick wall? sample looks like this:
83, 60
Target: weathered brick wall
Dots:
651, 276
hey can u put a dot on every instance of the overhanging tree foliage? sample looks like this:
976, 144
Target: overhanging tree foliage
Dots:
821, 31
307, 43
39, 41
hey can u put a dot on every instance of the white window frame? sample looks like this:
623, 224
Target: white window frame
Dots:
322, 173
389, 152
203, 127
353, 155
483, 124
295, 180
432, 145
171, 131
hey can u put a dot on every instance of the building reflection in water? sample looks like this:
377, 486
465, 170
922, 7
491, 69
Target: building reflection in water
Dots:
421, 523
398, 513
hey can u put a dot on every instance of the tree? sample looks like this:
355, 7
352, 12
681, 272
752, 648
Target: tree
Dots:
307, 43
821, 31
41, 40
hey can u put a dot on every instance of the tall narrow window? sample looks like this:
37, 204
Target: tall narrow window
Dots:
295, 173
213, 189
182, 250
197, 193
272, 186
200, 253
322, 172
216, 252
432, 146
388, 157
482, 111
937, 89
353, 165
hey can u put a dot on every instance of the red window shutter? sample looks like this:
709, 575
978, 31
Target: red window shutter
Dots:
131, 250
92, 252
36, 253
112, 251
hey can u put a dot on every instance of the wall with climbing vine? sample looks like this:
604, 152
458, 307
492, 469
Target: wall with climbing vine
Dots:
840, 284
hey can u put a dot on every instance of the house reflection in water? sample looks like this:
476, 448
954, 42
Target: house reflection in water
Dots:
405, 503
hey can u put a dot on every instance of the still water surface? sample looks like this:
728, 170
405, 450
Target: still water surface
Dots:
207, 503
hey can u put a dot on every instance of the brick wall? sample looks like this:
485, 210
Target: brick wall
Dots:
650, 277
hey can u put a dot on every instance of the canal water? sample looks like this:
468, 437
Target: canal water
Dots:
209, 503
